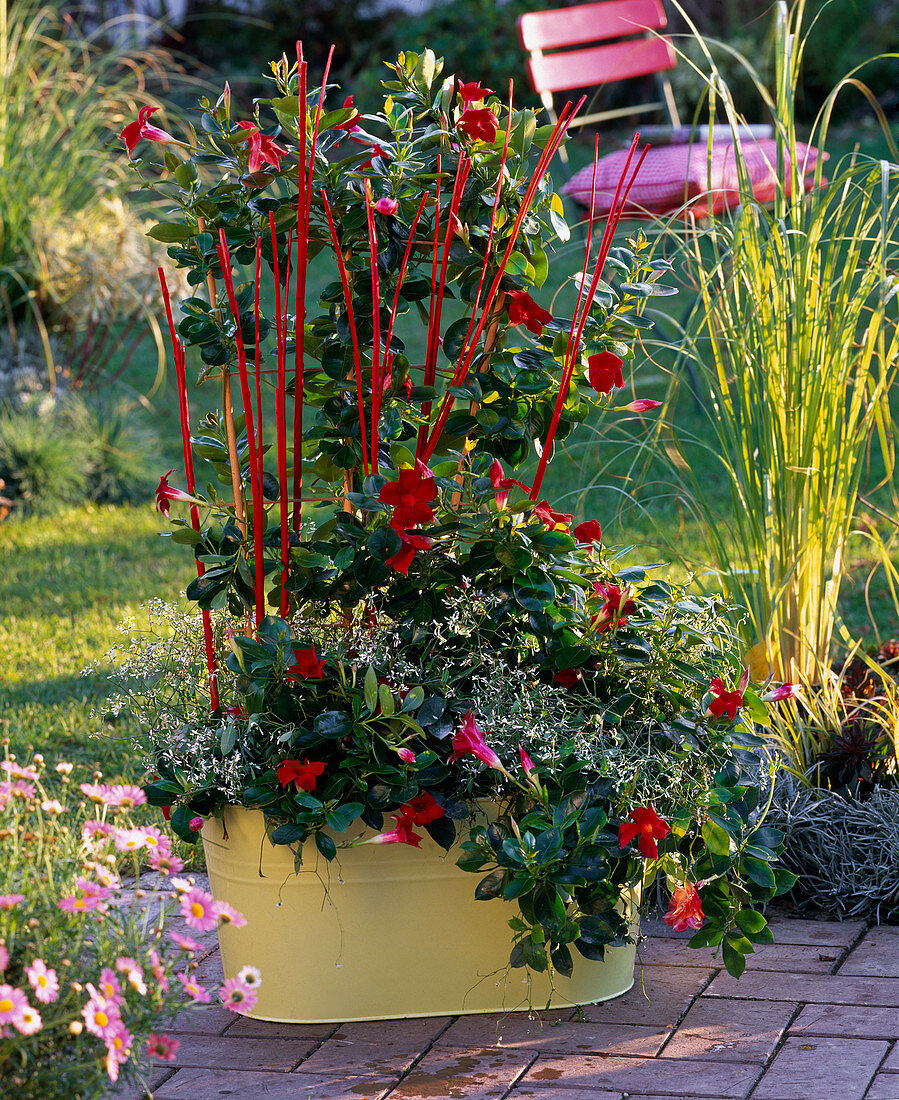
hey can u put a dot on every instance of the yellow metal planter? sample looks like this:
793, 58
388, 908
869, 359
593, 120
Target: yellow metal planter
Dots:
382, 932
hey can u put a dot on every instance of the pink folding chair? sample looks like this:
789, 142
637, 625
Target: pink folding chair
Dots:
594, 45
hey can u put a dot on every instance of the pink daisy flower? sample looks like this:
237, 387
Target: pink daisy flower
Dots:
163, 1047
158, 968
199, 909
52, 806
29, 1021
185, 942
16, 771
193, 989
250, 976
21, 789
118, 1049
109, 985
125, 796
101, 1015
94, 831
13, 1003
96, 792
237, 996
10, 901
227, 914
44, 981
133, 973
93, 889
130, 840
75, 904
164, 862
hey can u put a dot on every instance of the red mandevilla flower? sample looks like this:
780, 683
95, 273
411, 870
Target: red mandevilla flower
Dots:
604, 371
469, 739
588, 531
301, 773
645, 824
402, 834
142, 130
422, 809
523, 310
263, 150
472, 92
641, 405
726, 703
165, 494
386, 206
403, 558
351, 124
411, 495
617, 607
502, 485
479, 124
374, 152
555, 521
684, 909
307, 665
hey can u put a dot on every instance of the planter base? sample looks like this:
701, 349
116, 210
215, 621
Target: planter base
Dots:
383, 932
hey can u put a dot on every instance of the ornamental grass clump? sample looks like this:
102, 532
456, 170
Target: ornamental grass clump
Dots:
97, 935
393, 626
796, 344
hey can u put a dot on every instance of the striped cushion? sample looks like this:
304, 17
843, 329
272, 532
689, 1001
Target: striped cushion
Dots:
675, 176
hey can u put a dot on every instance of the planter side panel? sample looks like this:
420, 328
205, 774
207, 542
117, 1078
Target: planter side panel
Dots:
383, 932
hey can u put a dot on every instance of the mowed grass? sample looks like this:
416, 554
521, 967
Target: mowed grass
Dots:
67, 583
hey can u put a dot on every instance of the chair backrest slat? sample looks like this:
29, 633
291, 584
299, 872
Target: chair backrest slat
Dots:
561, 27
599, 65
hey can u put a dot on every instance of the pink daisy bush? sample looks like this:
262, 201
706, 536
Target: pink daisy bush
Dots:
87, 974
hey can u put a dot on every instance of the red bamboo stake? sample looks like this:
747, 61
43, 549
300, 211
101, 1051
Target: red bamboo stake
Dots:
304, 205
351, 318
464, 364
184, 415
619, 202
376, 361
257, 357
255, 479
281, 411
430, 364
462, 169
410, 241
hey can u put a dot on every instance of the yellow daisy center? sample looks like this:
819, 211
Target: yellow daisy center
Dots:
197, 909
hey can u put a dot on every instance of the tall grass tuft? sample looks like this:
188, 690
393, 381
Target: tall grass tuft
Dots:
72, 258
795, 341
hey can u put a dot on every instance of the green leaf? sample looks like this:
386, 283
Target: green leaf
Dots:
759, 871
325, 845
491, 886
370, 691
750, 922
733, 960
387, 701
170, 232
228, 739
180, 823
716, 839
288, 833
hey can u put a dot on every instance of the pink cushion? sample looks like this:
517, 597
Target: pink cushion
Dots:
675, 176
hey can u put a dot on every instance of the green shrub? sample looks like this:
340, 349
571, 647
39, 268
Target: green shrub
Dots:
62, 452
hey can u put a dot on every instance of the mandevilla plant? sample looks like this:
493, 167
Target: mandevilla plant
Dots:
416, 640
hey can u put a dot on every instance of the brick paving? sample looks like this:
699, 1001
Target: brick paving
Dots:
815, 1017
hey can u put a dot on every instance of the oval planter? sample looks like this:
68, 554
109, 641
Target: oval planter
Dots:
382, 932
